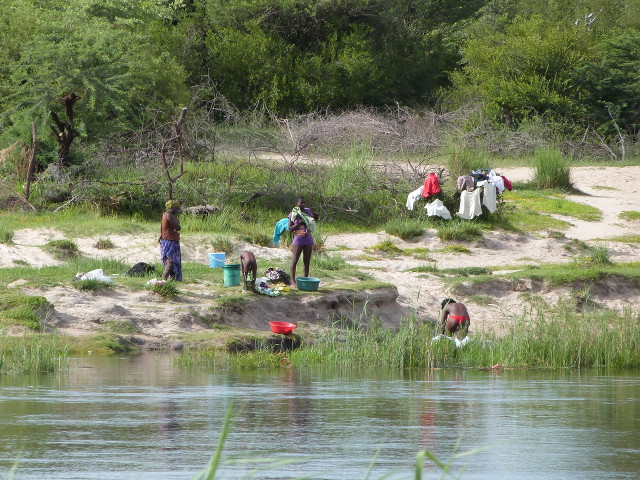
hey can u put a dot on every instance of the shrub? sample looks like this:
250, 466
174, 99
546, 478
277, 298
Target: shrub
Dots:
63, 249
551, 170
91, 285
405, 229
164, 289
6, 236
387, 247
459, 230
104, 244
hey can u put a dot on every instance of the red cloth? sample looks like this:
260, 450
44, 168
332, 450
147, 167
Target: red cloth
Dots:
431, 186
507, 183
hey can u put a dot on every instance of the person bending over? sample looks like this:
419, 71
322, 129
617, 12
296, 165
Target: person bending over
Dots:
454, 318
249, 269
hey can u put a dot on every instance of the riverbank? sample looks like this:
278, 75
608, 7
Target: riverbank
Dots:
402, 287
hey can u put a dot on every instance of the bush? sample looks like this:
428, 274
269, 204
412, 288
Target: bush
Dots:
551, 170
405, 229
91, 285
63, 249
460, 230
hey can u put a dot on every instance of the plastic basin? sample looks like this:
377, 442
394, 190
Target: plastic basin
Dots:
283, 328
309, 284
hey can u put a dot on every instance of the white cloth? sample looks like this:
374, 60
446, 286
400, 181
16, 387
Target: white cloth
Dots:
498, 181
489, 196
437, 208
470, 206
413, 197
97, 274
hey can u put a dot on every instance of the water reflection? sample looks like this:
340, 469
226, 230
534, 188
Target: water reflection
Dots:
146, 418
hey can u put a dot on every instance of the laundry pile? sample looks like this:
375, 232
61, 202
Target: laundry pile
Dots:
482, 182
480, 187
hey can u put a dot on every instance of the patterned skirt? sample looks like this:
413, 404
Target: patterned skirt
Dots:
171, 249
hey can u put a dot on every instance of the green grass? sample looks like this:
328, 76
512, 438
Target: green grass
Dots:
6, 235
33, 353
625, 239
536, 338
104, 244
91, 285
553, 202
386, 247
454, 272
551, 170
630, 215
404, 228
460, 230
25, 310
165, 289
62, 249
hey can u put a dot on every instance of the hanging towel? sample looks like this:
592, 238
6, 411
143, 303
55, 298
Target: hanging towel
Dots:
413, 197
280, 228
470, 206
507, 183
437, 208
489, 196
431, 186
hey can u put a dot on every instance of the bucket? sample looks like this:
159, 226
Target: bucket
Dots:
231, 274
216, 260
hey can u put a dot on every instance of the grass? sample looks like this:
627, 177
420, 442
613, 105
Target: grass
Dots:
104, 244
553, 202
460, 230
62, 249
91, 285
25, 310
33, 353
6, 236
630, 215
404, 228
165, 289
551, 170
545, 337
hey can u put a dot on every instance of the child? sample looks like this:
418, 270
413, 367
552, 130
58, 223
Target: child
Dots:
249, 268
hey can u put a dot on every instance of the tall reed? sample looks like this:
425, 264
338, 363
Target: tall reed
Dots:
33, 353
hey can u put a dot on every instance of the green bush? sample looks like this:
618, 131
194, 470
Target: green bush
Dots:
551, 170
403, 228
461, 230
91, 285
63, 249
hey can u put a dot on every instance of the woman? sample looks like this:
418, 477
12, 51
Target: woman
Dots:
301, 224
170, 242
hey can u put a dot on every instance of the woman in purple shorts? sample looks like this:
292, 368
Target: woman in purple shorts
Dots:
301, 224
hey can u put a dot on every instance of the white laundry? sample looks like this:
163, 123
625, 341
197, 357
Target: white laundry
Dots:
498, 181
97, 274
413, 197
470, 206
437, 208
489, 196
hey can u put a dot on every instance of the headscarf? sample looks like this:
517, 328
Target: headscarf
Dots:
171, 204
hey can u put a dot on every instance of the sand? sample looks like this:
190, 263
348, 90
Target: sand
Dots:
610, 189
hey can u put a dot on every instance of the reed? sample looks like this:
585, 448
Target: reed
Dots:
551, 170
33, 353
535, 338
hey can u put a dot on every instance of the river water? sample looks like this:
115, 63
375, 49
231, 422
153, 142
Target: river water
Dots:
145, 417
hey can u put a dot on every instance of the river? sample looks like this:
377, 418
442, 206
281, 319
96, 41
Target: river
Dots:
146, 417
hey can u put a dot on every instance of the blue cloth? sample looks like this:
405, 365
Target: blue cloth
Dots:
171, 249
281, 226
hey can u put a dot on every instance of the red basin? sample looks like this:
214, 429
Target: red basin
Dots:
282, 327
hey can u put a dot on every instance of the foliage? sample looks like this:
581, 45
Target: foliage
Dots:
551, 170
630, 215
19, 309
33, 353
405, 229
6, 235
461, 230
63, 249
165, 289
91, 285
